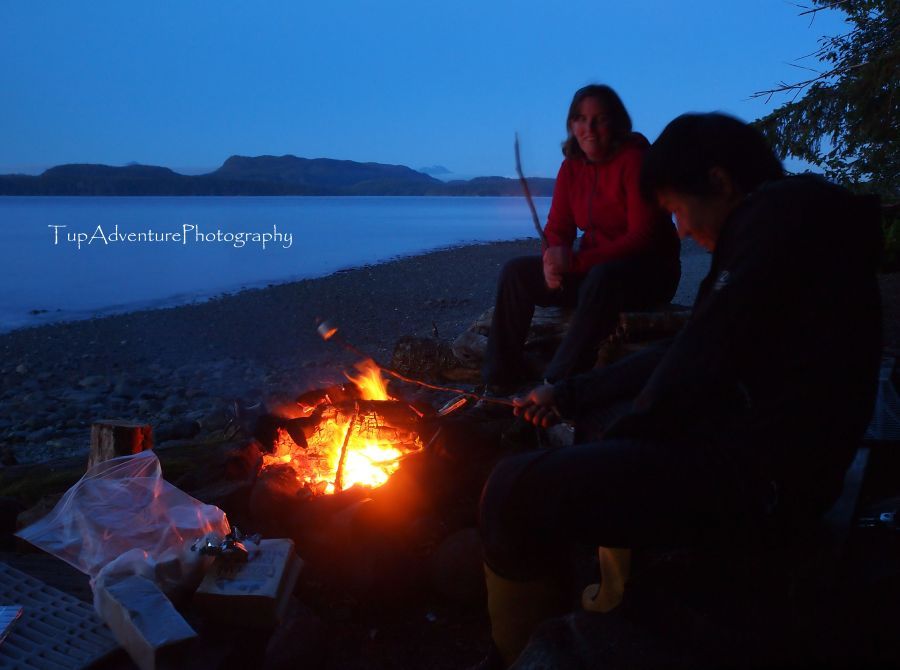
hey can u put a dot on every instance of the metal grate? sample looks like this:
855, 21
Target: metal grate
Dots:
55, 631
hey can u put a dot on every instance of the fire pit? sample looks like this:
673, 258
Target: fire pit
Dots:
359, 437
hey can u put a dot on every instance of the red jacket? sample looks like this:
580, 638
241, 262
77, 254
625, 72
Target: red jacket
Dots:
604, 200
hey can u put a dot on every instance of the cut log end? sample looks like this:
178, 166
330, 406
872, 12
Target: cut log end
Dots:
110, 439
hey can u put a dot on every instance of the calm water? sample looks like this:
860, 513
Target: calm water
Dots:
190, 248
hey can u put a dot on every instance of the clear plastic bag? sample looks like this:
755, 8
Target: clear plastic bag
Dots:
119, 506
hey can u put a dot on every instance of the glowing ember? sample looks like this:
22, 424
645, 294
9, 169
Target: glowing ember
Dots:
373, 451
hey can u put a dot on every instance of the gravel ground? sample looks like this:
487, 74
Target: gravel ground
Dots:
179, 369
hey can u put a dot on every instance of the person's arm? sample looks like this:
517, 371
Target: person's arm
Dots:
642, 219
560, 230
597, 389
604, 386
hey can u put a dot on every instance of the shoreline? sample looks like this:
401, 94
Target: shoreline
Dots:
204, 296
180, 368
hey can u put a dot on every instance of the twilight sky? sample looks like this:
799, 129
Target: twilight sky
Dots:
187, 84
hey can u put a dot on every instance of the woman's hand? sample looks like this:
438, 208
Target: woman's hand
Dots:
557, 262
538, 407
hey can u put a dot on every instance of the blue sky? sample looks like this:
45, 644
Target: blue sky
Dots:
186, 84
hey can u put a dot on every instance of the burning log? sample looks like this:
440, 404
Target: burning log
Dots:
331, 446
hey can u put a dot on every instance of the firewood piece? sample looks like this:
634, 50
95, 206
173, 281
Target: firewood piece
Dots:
423, 357
110, 439
664, 321
470, 348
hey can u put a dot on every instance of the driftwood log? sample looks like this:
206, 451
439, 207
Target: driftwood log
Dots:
461, 360
110, 439
431, 359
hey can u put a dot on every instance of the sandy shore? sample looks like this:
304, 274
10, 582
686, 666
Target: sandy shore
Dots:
180, 368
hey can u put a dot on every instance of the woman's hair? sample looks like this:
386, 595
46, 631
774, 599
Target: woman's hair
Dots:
690, 146
620, 122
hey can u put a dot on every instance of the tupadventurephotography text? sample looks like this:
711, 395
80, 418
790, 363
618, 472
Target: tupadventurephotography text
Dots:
189, 234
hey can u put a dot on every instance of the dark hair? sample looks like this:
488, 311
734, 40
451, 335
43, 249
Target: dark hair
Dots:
620, 122
690, 146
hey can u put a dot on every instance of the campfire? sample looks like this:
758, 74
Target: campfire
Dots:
345, 436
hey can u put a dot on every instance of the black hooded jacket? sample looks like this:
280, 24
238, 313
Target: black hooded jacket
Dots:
778, 365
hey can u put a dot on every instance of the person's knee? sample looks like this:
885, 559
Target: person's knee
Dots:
517, 269
603, 275
603, 284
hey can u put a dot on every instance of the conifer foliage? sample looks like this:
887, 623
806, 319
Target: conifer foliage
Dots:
845, 117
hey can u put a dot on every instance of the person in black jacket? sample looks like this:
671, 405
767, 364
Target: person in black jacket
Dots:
749, 417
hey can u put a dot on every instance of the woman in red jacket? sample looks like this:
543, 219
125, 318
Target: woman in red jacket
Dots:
627, 257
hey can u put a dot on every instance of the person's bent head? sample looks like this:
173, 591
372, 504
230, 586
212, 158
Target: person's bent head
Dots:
596, 125
701, 167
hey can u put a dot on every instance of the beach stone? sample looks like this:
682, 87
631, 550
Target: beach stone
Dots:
84, 398
64, 444
177, 408
42, 434
31, 422
94, 381
125, 389
181, 430
32, 398
22, 369
30, 385
457, 571
215, 420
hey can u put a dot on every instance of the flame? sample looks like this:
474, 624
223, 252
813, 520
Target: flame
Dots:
370, 383
370, 465
370, 457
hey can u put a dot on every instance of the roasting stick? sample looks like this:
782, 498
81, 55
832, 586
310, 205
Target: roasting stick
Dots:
329, 333
534, 216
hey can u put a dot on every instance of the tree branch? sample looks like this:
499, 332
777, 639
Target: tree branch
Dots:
784, 87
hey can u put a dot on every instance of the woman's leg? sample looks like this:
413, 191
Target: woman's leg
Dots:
520, 288
607, 289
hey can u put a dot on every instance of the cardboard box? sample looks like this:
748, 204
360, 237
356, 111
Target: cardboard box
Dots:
252, 594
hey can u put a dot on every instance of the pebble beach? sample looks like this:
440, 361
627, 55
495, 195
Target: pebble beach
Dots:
180, 369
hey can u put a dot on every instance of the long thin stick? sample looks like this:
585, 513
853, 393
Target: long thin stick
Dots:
534, 216
339, 473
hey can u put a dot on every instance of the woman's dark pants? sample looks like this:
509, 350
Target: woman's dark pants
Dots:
598, 297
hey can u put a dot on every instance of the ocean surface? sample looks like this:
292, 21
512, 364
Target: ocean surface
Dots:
64, 258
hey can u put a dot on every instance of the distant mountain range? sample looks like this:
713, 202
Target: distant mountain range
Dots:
260, 175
